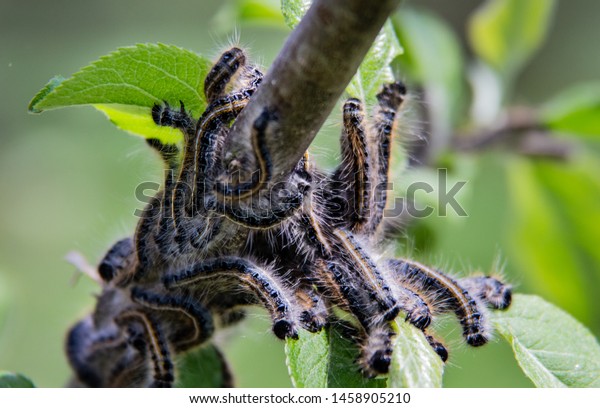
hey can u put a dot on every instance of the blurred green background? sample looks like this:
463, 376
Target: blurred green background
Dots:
68, 179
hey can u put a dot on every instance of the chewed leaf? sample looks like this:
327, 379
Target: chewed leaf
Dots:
203, 368
375, 69
129, 79
12, 380
414, 363
552, 348
137, 120
575, 111
326, 360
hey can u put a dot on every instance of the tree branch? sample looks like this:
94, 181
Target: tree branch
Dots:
523, 131
309, 75
517, 120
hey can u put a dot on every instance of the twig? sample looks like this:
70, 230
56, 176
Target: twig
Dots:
309, 75
517, 120
523, 131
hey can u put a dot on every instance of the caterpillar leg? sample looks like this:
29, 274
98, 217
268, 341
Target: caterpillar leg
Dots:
490, 290
229, 63
352, 179
118, 261
437, 346
418, 312
164, 115
389, 101
240, 274
436, 286
363, 283
314, 314
376, 350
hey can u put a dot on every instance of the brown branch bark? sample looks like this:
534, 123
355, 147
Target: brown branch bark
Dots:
310, 74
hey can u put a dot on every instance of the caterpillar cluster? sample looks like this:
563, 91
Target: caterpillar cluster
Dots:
218, 238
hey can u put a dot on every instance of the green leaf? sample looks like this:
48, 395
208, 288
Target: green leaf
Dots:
552, 348
203, 368
414, 363
128, 82
375, 69
575, 111
326, 360
505, 33
48, 88
264, 11
540, 242
294, 10
4, 296
255, 12
137, 120
429, 43
579, 217
12, 380
308, 359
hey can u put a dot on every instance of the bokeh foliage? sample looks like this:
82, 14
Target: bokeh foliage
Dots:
537, 214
